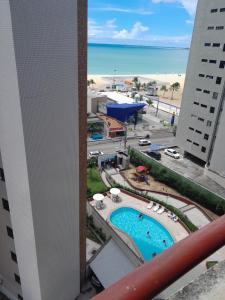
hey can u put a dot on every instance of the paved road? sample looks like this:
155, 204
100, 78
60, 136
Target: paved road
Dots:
110, 147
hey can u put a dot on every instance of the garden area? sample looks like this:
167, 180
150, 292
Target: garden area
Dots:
180, 184
150, 183
94, 182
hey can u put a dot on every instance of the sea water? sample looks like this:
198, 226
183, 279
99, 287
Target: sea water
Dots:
135, 60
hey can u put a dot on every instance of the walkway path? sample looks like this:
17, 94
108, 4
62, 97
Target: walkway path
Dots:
196, 216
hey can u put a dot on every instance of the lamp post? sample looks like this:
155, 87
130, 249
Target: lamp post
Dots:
125, 135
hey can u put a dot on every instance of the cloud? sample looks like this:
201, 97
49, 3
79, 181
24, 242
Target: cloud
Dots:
188, 5
138, 11
138, 34
136, 30
191, 22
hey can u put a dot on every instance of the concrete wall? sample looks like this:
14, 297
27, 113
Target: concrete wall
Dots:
189, 120
40, 144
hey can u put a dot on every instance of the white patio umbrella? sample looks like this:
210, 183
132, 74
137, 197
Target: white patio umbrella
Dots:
114, 192
98, 197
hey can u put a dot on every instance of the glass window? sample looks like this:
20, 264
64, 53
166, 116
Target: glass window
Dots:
216, 44
212, 109
207, 44
5, 204
218, 80
222, 9
214, 10
212, 61
209, 124
17, 278
206, 136
203, 149
219, 27
13, 256
222, 64
2, 176
9, 232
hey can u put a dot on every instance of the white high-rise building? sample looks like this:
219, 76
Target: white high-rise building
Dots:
42, 149
201, 123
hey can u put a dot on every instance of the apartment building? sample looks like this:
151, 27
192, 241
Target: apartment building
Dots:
42, 149
202, 119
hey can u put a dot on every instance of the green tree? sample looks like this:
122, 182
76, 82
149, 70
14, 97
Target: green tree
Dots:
149, 102
135, 80
164, 89
151, 83
174, 87
90, 82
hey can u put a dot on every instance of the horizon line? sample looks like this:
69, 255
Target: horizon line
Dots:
131, 45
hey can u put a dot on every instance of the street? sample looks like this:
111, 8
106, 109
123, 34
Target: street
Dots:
111, 146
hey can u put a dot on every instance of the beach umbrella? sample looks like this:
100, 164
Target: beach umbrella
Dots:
140, 169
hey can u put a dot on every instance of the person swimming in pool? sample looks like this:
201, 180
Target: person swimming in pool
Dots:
140, 216
148, 234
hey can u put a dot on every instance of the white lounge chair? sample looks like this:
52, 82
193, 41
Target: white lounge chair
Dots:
149, 206
161, 210
175, 218
156, 208
170, 215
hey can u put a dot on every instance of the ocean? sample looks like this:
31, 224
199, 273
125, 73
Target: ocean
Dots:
105, 59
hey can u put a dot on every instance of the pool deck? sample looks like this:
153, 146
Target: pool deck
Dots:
177, 231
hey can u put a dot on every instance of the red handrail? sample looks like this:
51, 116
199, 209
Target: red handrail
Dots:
151, 278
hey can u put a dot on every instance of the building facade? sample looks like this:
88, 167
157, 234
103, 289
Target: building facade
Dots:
42, 149
202, 118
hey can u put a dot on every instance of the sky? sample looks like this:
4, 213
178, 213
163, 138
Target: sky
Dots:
141, 22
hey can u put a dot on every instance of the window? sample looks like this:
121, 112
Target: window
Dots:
216, 44
212, 61
204, 60
201, 75
215, 95
198, 131
196, 144
209, 76
191, 128
207, 44
13, 256
9, 232
201, 119
196, 103
223, 47
193, 116
210, 27
5, 204
219, 27
209, 124
203, 105
2, 176
222, 9
199, 90
212, 109
19, 297
218, 80
203, 149
214, 10
222, 64
206, 92
188, 140
17, 278
206, 136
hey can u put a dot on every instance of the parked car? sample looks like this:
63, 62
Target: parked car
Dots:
95, 153
171, 152
155, 154
144, 142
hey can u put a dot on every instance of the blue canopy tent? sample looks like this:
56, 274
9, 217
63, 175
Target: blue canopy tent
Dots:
123, 112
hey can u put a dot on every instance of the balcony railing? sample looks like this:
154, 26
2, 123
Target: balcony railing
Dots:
151, 278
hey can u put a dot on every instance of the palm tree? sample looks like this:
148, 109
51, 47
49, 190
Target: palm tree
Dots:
164, 89
149, 102
174, 87
91, 82
135, 80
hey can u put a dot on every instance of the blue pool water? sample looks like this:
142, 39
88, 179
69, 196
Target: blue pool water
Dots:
127, 220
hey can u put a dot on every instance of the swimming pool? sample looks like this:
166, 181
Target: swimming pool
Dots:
149, 236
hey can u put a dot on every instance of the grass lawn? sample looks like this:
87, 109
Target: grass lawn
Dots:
94, 182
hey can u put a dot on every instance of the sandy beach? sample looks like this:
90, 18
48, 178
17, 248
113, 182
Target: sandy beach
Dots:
101, 81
